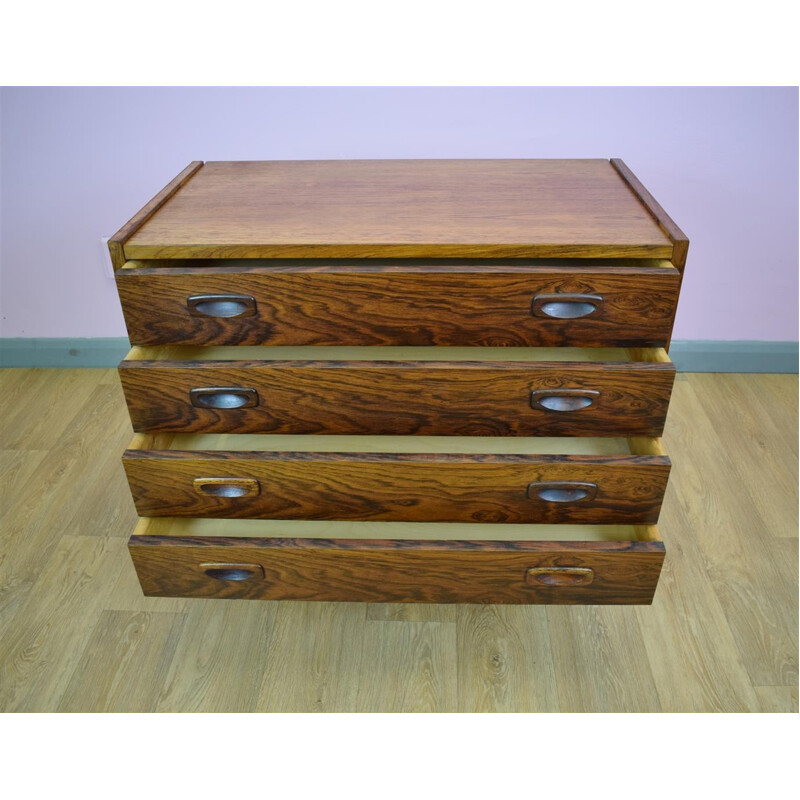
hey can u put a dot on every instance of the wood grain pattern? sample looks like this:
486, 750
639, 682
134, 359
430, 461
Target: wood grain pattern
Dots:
404, 208
680, 242
212, 671
120, 683
377, 486
385, 304
412, 667
699, 643
79, 572
441, 398
734, 547
313, 671
774, 494
504, 660
598, 658
116, 243
397, 571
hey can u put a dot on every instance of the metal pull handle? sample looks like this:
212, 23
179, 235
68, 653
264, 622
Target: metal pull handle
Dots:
227, 487
565, 306
563, 399
562, 491
222, 306
223, 397
559, 576
233, 572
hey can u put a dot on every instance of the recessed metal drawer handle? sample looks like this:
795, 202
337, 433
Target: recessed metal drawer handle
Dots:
227, 487
559, 576
223, 397
565, 306
233, 572
563, 399
562, 491
222, 306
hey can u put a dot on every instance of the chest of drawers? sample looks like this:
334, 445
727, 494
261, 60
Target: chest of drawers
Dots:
399, 381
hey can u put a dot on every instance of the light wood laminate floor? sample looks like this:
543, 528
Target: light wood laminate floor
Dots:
77, 635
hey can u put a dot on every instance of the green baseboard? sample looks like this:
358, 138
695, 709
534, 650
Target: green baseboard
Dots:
743, 356
63, 352
689, 356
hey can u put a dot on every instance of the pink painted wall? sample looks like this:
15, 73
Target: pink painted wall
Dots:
77, 162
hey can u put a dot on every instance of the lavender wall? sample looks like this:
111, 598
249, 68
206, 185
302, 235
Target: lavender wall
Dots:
77, 162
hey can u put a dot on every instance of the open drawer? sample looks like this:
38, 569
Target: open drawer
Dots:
522, 302
498, 391
434, 479
396, 562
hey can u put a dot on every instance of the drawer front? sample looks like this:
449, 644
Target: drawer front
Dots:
435, 398
433, 305
417, 488
398, 571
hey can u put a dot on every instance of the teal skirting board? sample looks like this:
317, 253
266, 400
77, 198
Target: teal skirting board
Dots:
689, 356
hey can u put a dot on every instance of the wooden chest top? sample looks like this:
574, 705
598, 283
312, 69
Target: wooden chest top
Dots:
544, 208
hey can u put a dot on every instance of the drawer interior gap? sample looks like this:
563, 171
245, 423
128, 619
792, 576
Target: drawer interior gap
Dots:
425, 531
380, 353
310, 443
653, 355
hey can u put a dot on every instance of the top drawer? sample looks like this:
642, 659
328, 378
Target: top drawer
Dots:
619, 303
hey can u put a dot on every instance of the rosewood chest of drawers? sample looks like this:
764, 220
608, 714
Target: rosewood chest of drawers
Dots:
399, 381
